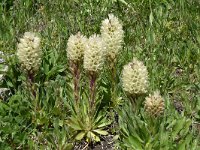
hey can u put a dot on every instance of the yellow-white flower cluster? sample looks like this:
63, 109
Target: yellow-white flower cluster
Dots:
154, 104
94, 54
112, 34
29, 52
76, 46
135, 77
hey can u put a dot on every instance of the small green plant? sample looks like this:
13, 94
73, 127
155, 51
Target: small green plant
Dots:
112, 34
86, 119
146, 132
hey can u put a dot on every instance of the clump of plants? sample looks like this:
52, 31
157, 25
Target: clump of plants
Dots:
88, 57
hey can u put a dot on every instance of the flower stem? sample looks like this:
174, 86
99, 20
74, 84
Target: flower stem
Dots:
133, 102
31, 83
92, 92
76, 80
113, 84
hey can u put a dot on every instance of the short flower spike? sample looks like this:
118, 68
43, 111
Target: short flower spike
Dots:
29, 52
76, 46
135, 78
112, 33
154, 104
94, 54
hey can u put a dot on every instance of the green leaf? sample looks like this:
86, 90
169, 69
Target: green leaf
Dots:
178, 127
135, 143
116, 137
186, 129
102, 132
60, 123
73, 124
151, 18
10, 84
124, 2
104, 124
171, 124
195, 144
68, 146
80, 135
188, 139
92, 136
181, 146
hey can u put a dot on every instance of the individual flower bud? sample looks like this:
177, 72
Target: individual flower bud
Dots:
135, 77
154, 104
76, 46
94, 54
29, 52
112, 34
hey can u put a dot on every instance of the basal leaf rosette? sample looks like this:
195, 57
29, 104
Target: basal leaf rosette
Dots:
76, 46
154, 104
135, 78
112, 33
94, 54
29, 52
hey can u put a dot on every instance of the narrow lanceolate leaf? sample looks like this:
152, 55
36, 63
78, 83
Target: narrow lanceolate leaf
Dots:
104, 124
102, 132
151, 18
171, 124
181, 146
123, 1
92, 136
73, 124
178, 127
80, 136
135, 143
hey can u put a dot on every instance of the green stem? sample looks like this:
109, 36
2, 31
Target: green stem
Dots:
113, 84
134, 103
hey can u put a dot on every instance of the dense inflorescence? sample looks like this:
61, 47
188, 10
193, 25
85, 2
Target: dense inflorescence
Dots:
112, 34
94, 54
76, 46
154, 104
135, 77
29, 52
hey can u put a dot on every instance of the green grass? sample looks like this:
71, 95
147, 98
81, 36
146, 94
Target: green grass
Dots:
165, 35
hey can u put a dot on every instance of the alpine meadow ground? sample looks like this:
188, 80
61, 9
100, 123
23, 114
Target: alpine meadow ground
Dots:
100, 74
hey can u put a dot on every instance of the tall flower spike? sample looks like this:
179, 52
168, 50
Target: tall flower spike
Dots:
154, 104
29, 52
76, 46
94, 54
112, 34
135, 77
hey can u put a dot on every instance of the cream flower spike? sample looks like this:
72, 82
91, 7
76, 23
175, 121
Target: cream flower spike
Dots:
154, 104
76, 46
112, 33
94, 54
135, 77
29, 52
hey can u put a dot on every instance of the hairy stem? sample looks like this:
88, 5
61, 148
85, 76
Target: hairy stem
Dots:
31, 83
76, 73
92, 92
113, 71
